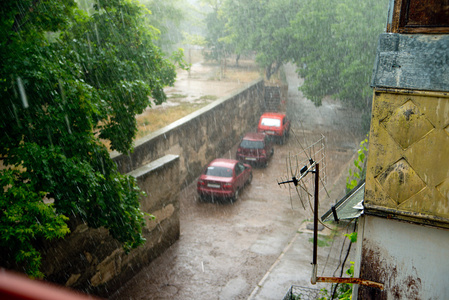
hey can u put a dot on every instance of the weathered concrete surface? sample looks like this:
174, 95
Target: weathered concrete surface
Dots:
419, 62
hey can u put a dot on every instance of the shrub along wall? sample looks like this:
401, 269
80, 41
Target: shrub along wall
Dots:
91, 261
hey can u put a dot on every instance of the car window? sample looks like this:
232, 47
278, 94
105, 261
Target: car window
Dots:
270, 122
219, 171
252, 144
239, 168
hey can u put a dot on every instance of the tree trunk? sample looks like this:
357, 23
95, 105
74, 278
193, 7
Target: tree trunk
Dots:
270, 70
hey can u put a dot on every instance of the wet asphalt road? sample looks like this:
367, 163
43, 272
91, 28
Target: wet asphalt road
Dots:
226, 249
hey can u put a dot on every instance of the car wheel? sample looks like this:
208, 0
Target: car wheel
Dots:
250, 178
201, 198
236, 196
282, 139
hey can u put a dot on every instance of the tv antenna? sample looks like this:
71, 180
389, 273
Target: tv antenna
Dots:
311, 160
300, 164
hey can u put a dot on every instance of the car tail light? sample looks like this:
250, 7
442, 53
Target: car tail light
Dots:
201, 182
227, 185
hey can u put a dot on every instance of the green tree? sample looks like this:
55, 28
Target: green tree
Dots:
262, 26
59, 96
219, 47
167, 17
335, 47
333, 44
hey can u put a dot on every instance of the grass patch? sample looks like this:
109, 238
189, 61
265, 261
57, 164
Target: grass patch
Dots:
208, 98
177, 96
153, 120
323, 240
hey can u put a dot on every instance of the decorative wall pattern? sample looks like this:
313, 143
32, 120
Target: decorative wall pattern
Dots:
408, 163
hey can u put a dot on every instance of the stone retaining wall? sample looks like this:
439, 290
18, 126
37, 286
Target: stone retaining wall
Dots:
201, 136
276, 97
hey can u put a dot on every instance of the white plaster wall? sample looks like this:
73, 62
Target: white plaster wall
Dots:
412, 260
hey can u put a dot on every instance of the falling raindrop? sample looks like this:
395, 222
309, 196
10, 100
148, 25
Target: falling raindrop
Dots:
49, 136
102, 165
67, 123
88, 43
61, 88
96, 33
123, 21
23, 95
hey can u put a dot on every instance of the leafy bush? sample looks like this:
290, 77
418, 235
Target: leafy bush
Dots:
355, 176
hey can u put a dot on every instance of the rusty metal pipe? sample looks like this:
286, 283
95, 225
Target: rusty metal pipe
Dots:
351, 280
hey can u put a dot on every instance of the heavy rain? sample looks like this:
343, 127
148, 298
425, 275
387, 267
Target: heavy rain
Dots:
111, 110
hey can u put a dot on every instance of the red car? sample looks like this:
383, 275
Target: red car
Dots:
275, 125
255, 148
223, 179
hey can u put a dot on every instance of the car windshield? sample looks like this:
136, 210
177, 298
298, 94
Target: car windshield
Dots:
251, 144
219, 171
270, 122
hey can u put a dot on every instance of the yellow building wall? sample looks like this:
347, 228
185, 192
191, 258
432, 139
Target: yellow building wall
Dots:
408, 162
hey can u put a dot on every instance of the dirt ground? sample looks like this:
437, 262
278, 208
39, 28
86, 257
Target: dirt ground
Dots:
226, 249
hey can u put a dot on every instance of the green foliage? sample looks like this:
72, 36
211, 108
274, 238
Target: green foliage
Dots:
333, 44
323, 240
215, 21
335, 48
357, 175
262, 26
342, 291
58, 98
25, 218
167, 17
352, 237
194, 39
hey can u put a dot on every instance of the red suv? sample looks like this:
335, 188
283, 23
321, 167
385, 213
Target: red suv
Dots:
255, 148
275, 125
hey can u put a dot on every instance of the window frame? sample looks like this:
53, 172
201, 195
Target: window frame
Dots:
400, 20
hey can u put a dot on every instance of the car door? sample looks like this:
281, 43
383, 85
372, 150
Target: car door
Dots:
240, 175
